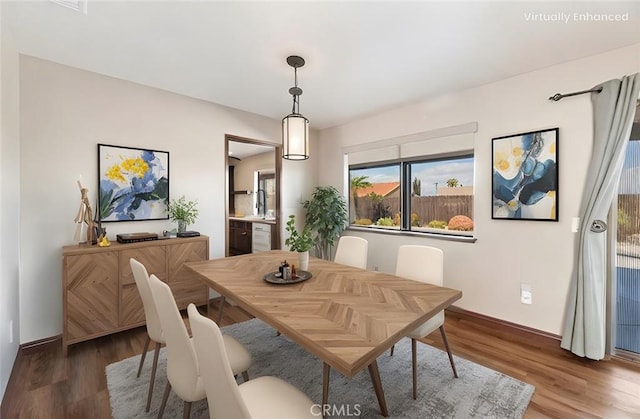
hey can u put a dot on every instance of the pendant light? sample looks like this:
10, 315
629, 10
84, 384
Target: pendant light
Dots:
295, 127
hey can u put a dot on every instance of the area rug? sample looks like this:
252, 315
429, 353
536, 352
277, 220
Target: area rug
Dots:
479, 392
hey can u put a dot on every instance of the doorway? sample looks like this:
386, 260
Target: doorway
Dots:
625, 286
253, 189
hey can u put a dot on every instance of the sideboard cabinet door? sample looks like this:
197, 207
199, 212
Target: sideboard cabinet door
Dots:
155, 260
186, 287
91, 294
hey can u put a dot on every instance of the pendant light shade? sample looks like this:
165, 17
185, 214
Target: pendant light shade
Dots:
295, 127
295, 137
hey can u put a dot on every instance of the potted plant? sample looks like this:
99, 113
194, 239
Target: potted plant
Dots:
184, 212
299, 242
326, 217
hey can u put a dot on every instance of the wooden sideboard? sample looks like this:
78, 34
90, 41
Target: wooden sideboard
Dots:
100, 295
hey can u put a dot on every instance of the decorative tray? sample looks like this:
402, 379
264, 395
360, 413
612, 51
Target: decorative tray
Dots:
275, 278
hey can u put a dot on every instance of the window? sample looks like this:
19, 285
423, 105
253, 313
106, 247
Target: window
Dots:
434, 195
419, 183
374, 196
442, 195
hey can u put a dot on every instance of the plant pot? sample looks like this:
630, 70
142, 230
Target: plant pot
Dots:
182, 226
303, 260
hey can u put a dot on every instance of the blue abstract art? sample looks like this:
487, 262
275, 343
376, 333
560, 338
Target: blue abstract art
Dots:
134, 183
525, 176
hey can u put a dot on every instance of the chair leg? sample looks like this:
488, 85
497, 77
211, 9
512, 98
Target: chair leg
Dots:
220, 309
392, 348
187, 410
446, 345
144, 354
414, 361
156, 354
245, 376
167, 390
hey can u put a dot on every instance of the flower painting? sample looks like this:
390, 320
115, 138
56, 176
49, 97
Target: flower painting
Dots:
525, 176
134, 183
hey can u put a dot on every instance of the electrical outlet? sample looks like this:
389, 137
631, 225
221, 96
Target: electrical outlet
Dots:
375, 268
10, 331
526, 297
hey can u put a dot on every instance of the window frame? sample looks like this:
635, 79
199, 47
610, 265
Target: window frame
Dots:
405, 179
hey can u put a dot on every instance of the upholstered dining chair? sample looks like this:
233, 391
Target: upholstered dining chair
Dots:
263, 397
182, 364
424, 264
154, 331
352, 251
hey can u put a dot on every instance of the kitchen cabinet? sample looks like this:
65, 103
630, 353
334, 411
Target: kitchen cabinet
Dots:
239, 237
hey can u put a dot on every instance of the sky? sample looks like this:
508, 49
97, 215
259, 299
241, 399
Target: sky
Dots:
429, 173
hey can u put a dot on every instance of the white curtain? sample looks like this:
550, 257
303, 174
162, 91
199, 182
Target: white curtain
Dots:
585, 317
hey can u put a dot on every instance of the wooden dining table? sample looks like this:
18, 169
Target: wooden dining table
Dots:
345, 316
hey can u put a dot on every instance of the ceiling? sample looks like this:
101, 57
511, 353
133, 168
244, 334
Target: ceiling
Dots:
242, 150
362, 56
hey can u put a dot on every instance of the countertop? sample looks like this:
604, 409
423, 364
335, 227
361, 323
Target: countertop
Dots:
254, 219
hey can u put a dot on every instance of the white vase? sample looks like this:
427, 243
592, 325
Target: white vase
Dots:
303, 260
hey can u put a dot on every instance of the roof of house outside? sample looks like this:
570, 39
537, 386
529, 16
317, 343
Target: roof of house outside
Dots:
383, 189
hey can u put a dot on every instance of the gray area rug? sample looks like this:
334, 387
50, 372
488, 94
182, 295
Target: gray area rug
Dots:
478, 393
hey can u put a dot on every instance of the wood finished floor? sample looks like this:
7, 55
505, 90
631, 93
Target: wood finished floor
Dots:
47, 385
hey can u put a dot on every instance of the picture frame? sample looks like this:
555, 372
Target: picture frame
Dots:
524, 182
133, 184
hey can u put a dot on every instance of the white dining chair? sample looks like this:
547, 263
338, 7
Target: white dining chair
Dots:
182, 364
261, 398
424, 264
154, 331
352, 251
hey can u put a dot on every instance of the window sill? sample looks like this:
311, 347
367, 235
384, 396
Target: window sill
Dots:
450, 236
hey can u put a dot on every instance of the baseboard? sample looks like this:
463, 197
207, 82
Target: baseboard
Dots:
503, 325
40, 345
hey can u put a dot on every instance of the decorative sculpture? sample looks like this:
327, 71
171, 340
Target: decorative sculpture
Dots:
84, 217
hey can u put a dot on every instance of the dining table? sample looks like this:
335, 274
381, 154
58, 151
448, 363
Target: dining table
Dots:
345, 316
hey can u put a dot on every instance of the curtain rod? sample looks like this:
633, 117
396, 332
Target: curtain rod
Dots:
559, 96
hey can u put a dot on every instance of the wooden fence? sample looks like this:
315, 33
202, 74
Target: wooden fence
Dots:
428, 208
628, 217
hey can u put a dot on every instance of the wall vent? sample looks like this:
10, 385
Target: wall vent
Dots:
77, 5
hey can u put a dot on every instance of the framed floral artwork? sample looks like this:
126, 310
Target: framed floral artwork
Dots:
525, 176
134, 183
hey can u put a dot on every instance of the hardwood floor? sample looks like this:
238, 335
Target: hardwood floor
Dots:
47, 385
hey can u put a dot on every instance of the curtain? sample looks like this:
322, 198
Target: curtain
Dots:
585, 317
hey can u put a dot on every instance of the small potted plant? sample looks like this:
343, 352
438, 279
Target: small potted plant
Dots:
184, 212
299, 242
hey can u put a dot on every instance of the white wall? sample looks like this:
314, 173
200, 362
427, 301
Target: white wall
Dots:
507, 253
9, 204
245, 169
64, 113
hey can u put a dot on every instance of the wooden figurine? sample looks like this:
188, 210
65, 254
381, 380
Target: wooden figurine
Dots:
85, 217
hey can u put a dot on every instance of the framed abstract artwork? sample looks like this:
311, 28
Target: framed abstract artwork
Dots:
134, 183
525, 176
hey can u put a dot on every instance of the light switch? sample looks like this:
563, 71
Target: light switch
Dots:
575, 224
526, 296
